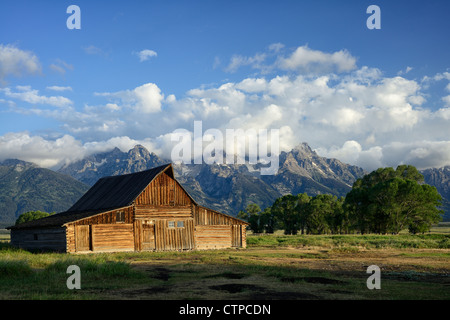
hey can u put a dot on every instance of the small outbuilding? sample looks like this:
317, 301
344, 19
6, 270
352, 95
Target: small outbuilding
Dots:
143, 211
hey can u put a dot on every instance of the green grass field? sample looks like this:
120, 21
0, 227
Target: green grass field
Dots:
273, 267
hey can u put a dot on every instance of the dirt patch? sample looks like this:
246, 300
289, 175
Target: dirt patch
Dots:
338, 291
237, 287
322, 280
256, 292
144, 292
275, 295
161, 274
443, 279
319, 280
227, 275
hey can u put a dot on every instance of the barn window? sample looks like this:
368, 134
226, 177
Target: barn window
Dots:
180, 224
35, 236
120, 216
171, 224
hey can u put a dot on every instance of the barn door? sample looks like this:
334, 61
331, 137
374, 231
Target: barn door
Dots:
148, 235
83, 238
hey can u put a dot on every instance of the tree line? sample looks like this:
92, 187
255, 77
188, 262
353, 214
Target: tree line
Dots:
383, 201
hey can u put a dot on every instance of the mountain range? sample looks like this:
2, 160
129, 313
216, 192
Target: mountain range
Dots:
226, 188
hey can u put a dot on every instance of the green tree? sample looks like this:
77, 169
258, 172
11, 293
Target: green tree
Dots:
302, 208
252, 215
284, 209
356, 208
337, 219
388, 201
268, 220
422, 209
31, 215
317, 209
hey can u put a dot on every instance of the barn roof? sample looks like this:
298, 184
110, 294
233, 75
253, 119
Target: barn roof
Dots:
106, 194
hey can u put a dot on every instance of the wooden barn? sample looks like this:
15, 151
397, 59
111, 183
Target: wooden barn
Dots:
147, 210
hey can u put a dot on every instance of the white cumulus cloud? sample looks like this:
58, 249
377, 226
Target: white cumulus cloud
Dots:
32, 96
304, 58
146, 54
17, 62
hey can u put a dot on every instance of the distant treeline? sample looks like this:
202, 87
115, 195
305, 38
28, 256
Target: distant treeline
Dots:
384, 201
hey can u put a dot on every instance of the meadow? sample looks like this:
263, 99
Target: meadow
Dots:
272, 267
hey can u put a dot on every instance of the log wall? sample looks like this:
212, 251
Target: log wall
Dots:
112, 237
48, 239
80, 234
109, 217
213, 237
163, 212
205, 216
175, 238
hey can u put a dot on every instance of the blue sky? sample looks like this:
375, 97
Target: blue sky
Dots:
368, 97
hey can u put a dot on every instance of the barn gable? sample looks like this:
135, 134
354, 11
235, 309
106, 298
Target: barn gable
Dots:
164, 190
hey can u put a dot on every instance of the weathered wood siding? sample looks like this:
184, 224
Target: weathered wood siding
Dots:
213, 237
236, 236
205, 217
70, 238
244, 237
109, 217
90, 234
48, 239
163, 212
158, 235
112, 237
100, 237
175, 238
83, 238
144, 235
161, 202
163, 191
